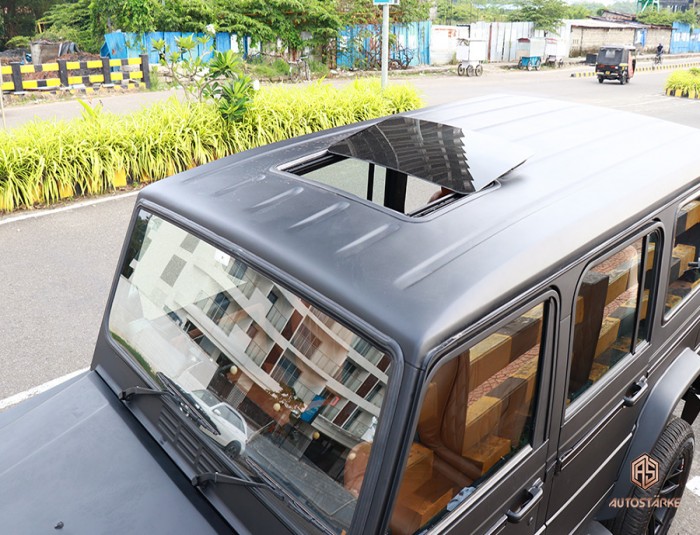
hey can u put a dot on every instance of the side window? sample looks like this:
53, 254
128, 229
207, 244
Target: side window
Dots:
477, 412
611, 316
683, 279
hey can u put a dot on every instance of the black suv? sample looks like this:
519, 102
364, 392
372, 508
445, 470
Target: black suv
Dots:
475, 318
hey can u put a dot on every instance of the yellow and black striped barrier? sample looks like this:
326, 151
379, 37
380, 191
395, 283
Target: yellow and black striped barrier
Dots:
682, 93
650, 68
13, 81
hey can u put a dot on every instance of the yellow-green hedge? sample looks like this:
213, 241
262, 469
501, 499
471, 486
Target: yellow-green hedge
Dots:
684, 83
43, 162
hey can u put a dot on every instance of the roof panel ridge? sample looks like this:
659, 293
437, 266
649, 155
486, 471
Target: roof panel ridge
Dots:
226, 190
368, 239
321, 215
277, 199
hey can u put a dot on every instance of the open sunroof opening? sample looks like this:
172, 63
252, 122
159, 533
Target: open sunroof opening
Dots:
413, 166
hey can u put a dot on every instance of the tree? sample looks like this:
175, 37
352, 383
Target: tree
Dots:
19, 16
364, 12
290, 21
577, 11
664, 17
449, 12
547, 15
688, 17
126, 15
184, 15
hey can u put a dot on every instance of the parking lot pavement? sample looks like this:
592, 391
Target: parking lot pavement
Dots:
55, 274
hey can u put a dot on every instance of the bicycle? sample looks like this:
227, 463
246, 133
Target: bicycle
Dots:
299, 69
657, 59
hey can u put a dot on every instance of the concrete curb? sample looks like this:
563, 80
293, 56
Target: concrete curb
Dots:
643, 69
133, 86
679, 93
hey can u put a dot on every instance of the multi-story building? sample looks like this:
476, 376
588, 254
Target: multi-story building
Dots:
255, 344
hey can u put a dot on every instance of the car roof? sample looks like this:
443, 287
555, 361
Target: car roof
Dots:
592, 173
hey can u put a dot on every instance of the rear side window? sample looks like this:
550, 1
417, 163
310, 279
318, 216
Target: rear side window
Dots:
683, 278
477, 412
612, 312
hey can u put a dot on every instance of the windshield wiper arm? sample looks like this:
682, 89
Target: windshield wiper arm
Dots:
185, 401
129, 393
291, 502
217, 477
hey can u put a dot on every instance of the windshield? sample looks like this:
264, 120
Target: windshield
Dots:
610, 56
302, 392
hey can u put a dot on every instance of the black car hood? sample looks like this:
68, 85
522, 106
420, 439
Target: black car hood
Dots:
75, 462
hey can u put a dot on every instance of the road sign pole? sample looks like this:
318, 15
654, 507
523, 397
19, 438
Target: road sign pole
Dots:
385, 44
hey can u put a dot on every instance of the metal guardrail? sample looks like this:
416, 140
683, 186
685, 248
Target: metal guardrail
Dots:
13, 81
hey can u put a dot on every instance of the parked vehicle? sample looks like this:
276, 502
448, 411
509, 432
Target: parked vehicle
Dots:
530, 51
232, 430
616, 62
473, 318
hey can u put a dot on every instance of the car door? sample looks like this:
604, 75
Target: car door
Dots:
477, 463
604, 384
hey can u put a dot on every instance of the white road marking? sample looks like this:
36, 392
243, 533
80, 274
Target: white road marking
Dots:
693, 485
73, 206
22, 396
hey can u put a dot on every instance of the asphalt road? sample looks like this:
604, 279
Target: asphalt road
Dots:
56, 266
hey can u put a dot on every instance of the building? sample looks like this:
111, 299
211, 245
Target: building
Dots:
254, 343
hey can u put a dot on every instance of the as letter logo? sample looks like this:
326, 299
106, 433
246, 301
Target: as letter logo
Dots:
645, 471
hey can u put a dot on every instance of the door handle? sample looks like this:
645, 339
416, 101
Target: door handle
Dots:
637, 390
534, 496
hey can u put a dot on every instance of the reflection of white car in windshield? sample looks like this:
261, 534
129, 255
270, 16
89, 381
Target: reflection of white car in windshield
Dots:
230, 423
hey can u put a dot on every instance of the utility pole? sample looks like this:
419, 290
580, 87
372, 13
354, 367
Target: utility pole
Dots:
385, 36
385, 44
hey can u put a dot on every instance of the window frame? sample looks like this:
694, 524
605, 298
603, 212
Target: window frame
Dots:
637, 347
455, 346
668, 317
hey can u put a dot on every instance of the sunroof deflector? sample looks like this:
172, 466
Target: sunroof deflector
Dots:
460, 160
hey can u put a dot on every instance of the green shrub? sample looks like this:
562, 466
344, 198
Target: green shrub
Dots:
264, 68
20, 41
42, 162
318, 68
687, 81
283, 112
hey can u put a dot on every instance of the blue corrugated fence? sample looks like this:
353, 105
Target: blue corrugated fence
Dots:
122, 45
413, 37
684, 39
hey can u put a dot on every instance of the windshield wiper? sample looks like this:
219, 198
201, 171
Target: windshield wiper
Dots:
131, 392
201, 480
185, 401
261, 481
291, 502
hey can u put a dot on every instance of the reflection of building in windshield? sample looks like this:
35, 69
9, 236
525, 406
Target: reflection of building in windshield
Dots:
293, 364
